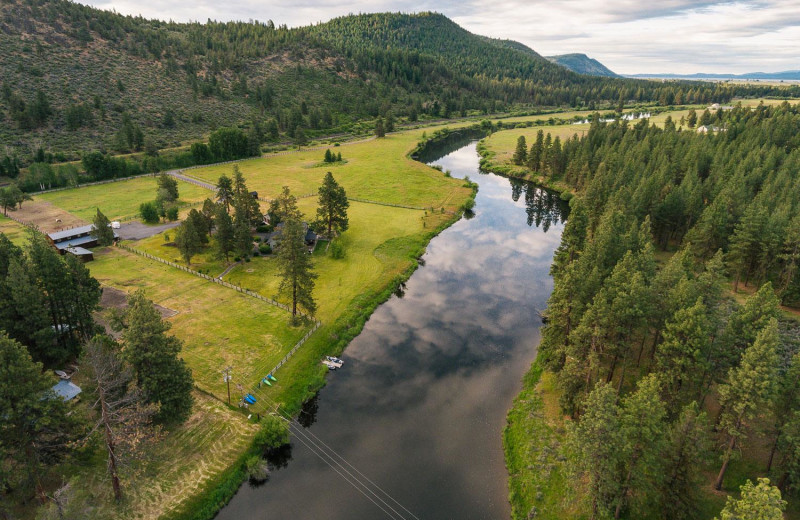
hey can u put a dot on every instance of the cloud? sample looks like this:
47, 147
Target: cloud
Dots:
628, 36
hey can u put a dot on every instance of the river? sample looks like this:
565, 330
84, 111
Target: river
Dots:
420, 404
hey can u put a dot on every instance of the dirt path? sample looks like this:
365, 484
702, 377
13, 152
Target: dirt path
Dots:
46, 217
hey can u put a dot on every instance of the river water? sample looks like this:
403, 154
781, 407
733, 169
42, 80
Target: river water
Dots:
420, 404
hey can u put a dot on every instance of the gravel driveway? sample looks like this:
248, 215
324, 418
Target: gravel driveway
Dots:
136, 230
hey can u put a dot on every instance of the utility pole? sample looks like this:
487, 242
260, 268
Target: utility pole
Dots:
227, 378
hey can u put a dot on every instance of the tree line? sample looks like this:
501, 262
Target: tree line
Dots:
639, 350
136, 386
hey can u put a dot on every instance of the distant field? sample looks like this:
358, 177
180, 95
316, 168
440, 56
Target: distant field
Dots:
117, 200
375, 170
219, 326
15, 232
504, 142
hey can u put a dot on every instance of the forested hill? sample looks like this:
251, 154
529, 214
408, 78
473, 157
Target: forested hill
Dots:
76, 78
583, 64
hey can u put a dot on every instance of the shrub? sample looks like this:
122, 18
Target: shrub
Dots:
172, 214
264, 249
149, 212
274, 433
257, 468
336, 250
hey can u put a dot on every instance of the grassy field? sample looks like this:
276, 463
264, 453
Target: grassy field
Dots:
219, 326
375, 170
180, 465
163, 246
14, 231
117, 200
373, 253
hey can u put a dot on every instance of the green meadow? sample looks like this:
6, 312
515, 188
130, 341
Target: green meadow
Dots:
14, 231
219, 326
117, 200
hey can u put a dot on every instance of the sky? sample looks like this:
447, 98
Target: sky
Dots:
628, 36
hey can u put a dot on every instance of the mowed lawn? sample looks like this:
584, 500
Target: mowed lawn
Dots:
163, 246
371, 257
377, 170
219, 326
117, 200
14, 231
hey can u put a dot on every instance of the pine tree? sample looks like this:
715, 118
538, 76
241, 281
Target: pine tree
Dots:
684, 453
225, 191
521, 153
160, 373
750, 386
786, 403
187, 238
683, 354
295, 269
759, 502
535, 155
642, 426
691, 118
225, 233
101, 229
284, 207
333, 204
379, 130
36, 426
594, 449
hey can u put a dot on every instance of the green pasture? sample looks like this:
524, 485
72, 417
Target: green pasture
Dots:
370, 257
13, 230
377, 170
219, 326
117, 200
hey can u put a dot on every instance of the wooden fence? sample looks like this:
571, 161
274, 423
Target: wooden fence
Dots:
317, 324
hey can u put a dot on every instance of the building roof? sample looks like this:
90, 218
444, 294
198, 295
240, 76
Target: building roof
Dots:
79, 251
75, 242
77, 233
70, 233
66, 390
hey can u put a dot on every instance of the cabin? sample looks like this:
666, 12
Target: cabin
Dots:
76, 241
274, 238
66, 390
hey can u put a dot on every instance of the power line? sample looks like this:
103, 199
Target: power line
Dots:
305, 437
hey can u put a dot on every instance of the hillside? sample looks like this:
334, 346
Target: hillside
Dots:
75, 78
583, 64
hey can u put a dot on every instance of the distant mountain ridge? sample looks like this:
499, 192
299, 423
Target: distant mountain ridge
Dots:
76, 78
582, 64
792, 75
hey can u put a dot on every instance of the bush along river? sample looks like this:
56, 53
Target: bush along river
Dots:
411, 425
